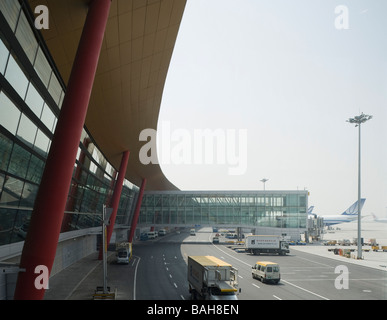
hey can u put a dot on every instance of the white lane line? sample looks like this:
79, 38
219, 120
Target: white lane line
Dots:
256, 286
276, 297
135, 279
281, 279
175, 285
322, 297
181, 296
170, 276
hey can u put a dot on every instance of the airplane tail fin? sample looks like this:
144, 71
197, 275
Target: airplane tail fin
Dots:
310, 209
354, 209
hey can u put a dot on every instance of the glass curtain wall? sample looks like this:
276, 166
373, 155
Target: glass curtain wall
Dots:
279, 209
31, 95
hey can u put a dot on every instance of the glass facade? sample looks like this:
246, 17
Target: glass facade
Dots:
31, 95
278, 209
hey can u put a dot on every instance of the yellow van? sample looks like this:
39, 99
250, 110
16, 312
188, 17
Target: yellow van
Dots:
266, 271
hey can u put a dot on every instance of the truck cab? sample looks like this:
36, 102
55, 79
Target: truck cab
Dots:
266, 271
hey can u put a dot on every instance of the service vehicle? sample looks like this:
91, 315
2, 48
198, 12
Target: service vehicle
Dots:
192, 232
266, 271
257, 244
215, 240
210, 278
152, 235
162, 232
123, 252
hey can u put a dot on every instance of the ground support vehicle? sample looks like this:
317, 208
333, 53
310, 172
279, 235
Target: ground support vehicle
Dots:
257, 244
266, 271
123, 252
210, 278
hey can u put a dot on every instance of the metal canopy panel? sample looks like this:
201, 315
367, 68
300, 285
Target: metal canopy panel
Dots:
134, 60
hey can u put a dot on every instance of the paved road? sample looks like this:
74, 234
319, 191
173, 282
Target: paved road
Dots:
162, 271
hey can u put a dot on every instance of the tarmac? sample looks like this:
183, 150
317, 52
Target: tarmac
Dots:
80, 280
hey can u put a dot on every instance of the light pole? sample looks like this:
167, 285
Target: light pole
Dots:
359, 120
264, 181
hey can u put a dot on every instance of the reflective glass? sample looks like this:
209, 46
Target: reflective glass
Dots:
26, 37
48, 117
29, 194
5, 152
10, 115
41, 143
55, 89
42, 67
27, 130
10, 10
3, 56
35, 170
34, 100
16, 77
20, 160
12, 189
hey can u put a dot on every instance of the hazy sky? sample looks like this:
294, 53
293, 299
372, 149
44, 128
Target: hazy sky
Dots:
277, 80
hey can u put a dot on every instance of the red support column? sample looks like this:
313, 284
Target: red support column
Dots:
137, 211
42, 237
116, 198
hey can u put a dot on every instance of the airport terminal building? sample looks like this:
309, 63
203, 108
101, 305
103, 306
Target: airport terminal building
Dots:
60, 165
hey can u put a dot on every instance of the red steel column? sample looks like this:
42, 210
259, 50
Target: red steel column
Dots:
137, 211
40, 245
116, 198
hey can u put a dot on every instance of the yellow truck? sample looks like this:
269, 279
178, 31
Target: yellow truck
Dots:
210, 278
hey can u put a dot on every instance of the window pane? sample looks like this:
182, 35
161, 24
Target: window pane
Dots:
55, 89
48, 117
26, 37
34, 100
5, 152
10, 10
19, 161
3, 56
16, 77
42, 67
9, 114
12, 190
27, 130
41, 143
35, 170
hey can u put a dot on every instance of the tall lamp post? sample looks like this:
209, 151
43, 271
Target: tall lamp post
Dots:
264, 181
359, 120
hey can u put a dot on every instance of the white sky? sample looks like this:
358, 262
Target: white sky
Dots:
283, 72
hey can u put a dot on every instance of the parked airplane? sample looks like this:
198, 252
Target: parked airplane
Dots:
347, 216
382, 220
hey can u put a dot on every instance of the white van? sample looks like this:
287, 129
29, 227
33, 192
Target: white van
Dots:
192, 232
162, 232
266, 271
151, 235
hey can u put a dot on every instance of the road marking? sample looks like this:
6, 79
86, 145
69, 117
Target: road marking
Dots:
281, 279
170, 276
175, 285
135, 279
322, 297
181, 296
240, 276
256, 286
276, 297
